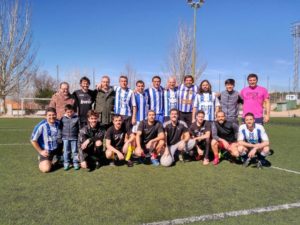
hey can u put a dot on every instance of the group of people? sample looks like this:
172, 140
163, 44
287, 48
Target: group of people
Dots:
158, 126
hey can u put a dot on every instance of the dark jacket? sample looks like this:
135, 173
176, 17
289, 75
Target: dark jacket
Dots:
69, 127
104, 105
94, 134
227, 131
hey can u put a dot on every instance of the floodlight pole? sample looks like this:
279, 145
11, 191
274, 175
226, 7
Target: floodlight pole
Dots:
195, 5
194, 47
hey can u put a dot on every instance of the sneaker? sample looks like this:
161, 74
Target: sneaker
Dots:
129, 163
246, 163
76, 167
112, 163
98, 164
66, 167
205, 162
180, 157
216, 161
155, 162
259, 164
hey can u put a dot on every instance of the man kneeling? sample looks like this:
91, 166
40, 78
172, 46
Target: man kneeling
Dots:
177, 138
117, 141
253, 141
44, 139
224, 135
91, 142
150, 138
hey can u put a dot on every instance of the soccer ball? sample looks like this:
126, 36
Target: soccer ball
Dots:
166, 160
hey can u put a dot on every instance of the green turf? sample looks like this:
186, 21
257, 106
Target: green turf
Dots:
121, 195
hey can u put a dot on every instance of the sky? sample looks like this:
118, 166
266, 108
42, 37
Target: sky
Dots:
234, 37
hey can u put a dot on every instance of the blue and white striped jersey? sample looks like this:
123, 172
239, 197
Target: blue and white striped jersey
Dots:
186, 97
46, 135
208, 103
124, 101
141, 106
258, 135
155, 99
170, 100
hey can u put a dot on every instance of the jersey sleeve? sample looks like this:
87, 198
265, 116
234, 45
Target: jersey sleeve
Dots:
264, 135
196, 101
266, 94
108, 134
133, 101
140, 127
160, 128
37, 131
217, 102
240, 134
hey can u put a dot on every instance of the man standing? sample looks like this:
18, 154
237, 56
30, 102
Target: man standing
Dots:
84, 99
125, 104
141, 104
200, 132
256, 99
177, 135
117, 141
186, 96
170, 98
155, 95
105, 100
150, 138
207, 101
253, 141
90, 140
224, 135
44, 139
61, 98
230, 100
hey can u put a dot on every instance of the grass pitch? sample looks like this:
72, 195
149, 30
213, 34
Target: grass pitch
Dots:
143, 194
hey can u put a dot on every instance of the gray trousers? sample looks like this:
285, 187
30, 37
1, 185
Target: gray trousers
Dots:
188, 146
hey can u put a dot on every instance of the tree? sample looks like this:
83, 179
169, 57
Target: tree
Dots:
45, 87
16, 53
131, 73
179, 61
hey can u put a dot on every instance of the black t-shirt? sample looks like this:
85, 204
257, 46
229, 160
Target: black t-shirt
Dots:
149, 132
197, 131
174, 133
227, 131
84, 102
117, 137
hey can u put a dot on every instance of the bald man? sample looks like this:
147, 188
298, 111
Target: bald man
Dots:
170, 98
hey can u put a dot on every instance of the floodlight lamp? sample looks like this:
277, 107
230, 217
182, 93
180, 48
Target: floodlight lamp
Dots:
189, 1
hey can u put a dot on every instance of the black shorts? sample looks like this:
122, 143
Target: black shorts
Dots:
127, 122
50, 156
90, 154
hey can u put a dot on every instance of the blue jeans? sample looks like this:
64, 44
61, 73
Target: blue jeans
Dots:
70, 146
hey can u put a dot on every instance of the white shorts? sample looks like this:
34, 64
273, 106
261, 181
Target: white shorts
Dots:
135, 127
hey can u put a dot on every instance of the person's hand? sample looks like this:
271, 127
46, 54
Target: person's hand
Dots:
217, 94
85, 144
44, 153
193, 120
149, 145
266, 118
252, 153
120, 156
181, 145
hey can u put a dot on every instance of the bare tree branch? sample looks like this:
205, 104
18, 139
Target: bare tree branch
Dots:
16, 53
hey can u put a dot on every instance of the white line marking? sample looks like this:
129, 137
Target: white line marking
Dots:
286, 170
12, 144
224, 215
